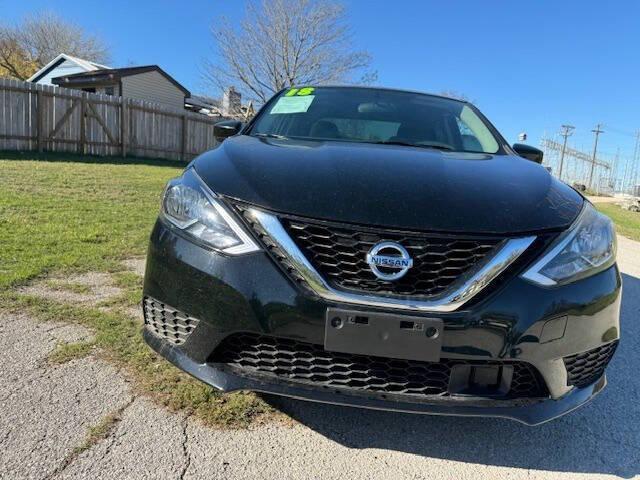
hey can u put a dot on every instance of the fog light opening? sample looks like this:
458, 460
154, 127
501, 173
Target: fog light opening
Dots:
480, 380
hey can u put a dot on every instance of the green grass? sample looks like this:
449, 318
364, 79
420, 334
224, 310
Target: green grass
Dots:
65, 352
80, 215
627, 223
76, 214
99, 432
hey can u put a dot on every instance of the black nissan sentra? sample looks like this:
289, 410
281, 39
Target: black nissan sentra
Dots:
383, 249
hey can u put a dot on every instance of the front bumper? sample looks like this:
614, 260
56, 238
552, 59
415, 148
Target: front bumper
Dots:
251, 294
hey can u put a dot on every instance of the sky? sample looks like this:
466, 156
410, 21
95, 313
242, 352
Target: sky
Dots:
529, 66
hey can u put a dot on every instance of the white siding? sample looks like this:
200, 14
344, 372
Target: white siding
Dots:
152, 87
65, 68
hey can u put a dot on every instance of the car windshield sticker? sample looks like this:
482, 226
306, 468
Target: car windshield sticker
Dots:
299, 92
295, 104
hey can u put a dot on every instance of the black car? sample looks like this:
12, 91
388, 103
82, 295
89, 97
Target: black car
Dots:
384, 249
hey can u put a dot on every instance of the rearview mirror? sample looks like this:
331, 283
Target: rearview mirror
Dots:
528, 152
228, 128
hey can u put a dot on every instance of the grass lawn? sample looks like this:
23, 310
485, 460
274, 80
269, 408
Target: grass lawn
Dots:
627, 223
71, 214
57, 215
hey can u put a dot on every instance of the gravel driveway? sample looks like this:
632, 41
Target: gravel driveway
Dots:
46, 411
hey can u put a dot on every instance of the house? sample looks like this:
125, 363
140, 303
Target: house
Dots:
63, 64
149, 83
230, 106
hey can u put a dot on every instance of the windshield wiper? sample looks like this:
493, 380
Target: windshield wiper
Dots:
409, 144
270, 135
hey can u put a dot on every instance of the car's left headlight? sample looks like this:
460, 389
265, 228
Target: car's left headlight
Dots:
587, 248
190, 206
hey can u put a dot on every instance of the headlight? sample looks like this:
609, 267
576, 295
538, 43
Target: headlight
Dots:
586, 249
189, 205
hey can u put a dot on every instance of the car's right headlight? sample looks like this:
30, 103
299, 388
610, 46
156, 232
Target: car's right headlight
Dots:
587, 248
190, 206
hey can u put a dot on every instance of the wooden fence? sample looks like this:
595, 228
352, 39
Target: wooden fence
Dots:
46, 118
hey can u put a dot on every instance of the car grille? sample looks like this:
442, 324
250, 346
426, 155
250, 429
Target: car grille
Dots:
585, 368
338, 253
167, 322
309, 363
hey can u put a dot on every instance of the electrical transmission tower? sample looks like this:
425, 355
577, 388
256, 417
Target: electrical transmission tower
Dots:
636, 166
598, 130
567, 131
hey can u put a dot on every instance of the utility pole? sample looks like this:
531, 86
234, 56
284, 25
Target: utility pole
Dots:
598, 130
567, 131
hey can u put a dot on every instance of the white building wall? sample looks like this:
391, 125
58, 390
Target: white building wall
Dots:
152, 87
65, 68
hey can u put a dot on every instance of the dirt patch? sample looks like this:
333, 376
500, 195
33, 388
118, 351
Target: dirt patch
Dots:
136, 312
136, 265
89, 289
63, 333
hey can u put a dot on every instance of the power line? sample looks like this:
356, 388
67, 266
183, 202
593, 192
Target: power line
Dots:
620, 131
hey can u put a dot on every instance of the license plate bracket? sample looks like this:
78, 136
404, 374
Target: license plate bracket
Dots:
383, 334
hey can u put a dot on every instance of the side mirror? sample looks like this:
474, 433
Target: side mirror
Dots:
228, 128
528, 152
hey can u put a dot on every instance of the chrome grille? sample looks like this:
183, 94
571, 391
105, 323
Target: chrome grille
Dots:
339, 252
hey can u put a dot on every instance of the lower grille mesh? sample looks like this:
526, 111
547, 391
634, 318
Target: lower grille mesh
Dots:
310, 363
585, 368
167, 322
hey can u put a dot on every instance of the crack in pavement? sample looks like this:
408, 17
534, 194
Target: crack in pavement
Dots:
77, 451
185, 449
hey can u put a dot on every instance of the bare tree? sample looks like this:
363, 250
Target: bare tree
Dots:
31, 44
14, 62
285, 42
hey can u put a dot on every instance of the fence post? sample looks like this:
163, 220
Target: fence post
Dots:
83, 112
40, 114
123, 125
185, 131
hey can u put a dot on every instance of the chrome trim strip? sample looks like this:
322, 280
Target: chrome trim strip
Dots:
462, 291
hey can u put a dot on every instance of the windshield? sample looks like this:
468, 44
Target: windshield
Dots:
368, 115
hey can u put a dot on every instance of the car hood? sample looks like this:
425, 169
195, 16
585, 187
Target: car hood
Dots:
390, 186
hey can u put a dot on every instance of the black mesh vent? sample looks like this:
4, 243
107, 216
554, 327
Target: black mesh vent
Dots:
339, 255
167, 322
585, 368
309, 363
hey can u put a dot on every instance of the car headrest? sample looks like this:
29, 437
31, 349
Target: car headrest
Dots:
324, 129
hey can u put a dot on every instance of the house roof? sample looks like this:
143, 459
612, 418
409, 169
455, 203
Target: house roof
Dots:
85, 64
108, 75
203, 101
